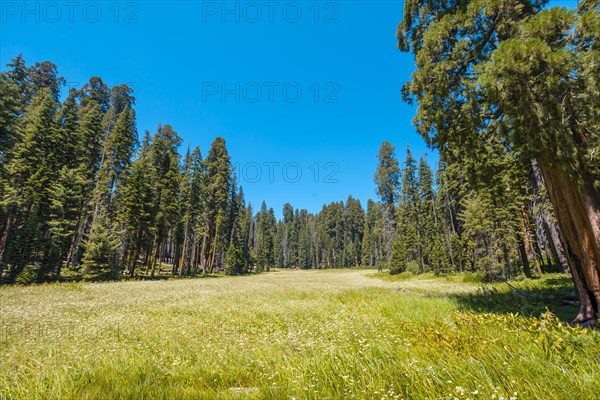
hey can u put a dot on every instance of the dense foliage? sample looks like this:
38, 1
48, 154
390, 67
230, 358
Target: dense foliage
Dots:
506, 84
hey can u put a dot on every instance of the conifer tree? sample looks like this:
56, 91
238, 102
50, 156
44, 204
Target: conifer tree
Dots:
248, 236
10, 113
217, 183
116, 159
136, 208
407, 244
387, 179
33, 168
265, 228
234, 260
99, 261
89, 149
428, 227
371, 244
164, 166
387, 176
191, 207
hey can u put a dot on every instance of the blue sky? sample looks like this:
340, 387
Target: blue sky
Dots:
293, 87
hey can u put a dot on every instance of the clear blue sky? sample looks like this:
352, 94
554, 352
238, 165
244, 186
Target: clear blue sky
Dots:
235, 70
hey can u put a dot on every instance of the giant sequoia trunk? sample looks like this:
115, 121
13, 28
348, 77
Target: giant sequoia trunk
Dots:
577, 208
549, 225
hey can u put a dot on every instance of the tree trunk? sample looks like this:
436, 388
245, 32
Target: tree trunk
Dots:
8, 231
177, 264
539, 254
506, 258
523, 254
154, 259
555, 245
549, 226
134, 259
577, 208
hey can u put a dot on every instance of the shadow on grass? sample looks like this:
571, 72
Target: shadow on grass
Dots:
530, 298
170, 277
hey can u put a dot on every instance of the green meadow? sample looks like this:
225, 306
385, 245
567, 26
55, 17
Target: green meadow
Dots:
334, 334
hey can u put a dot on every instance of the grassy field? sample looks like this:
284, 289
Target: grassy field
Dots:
295, 334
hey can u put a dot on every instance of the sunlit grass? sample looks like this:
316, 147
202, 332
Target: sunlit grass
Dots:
289, 334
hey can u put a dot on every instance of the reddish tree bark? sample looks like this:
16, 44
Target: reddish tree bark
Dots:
577, 208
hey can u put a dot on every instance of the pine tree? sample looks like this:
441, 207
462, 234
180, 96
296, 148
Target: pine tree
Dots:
95, 93
33, 168
66, 197
116, 158
354, 230
191, 207
248, 236
99, 261
11, 106
387, 176
265, 228
164, 161
372, 252
235, 264
118, 149
10, 113
18, 74
68, 125
136, 210
89, 138
428, 227
217, 183
44, 75
407, 244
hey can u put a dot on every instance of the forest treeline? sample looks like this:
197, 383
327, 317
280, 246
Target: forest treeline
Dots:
83, 196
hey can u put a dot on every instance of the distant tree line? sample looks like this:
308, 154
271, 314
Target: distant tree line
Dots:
83, 197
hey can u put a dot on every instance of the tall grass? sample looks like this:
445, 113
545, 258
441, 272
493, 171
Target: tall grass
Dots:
284, 335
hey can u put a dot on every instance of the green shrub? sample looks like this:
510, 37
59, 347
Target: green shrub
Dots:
471, 277
26, 277
413, 268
